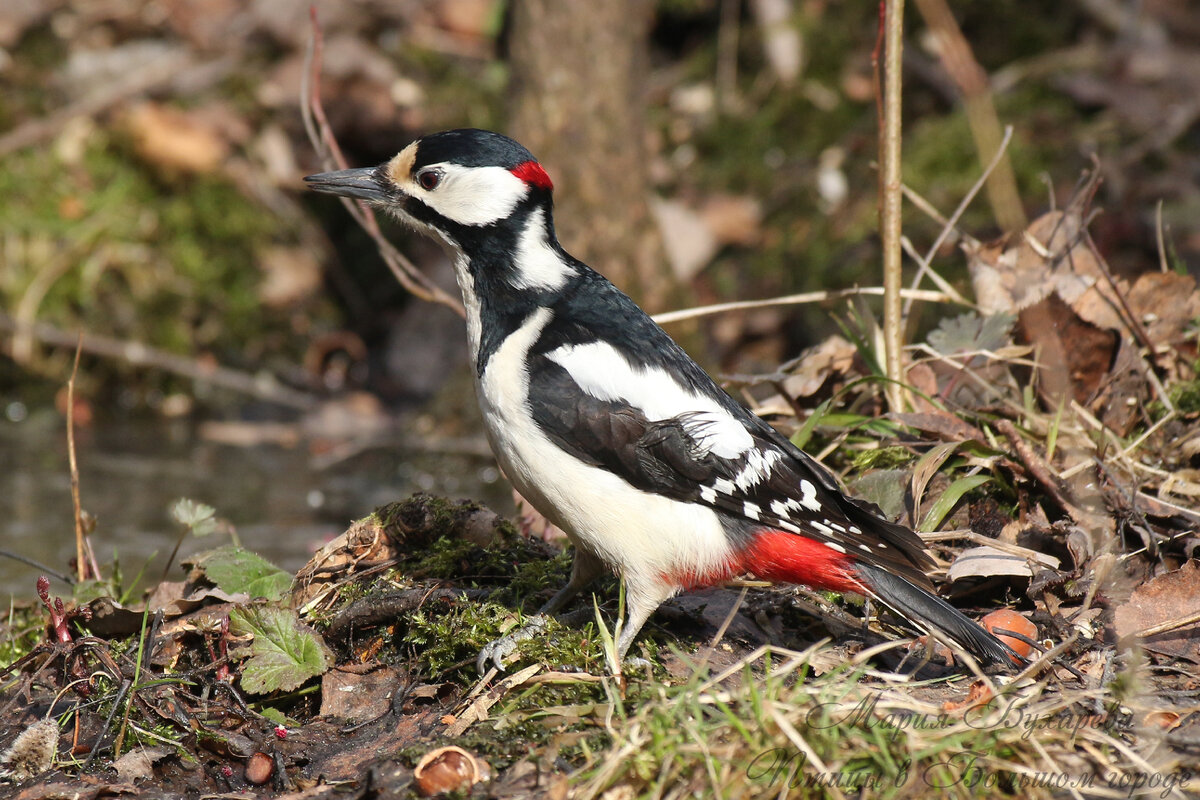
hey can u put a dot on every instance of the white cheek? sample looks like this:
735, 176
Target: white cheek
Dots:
475, 196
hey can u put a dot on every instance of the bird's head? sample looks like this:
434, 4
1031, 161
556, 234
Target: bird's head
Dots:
454, 182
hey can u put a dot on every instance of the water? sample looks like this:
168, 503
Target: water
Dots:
283, 501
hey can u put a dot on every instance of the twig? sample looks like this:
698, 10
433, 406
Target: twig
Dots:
890, 199
1159, 239
924, 267
968, 535
1039, 469
53, 573
320, 135
799, 299
1135, 325
948, 227
1170, 625
81, 564
125, 684
264, 387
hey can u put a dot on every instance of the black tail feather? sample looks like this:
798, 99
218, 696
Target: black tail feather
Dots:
928, 611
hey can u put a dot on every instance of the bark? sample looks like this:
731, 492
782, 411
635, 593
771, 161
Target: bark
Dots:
578, 77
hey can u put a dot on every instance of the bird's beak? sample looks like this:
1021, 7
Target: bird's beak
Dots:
362, 183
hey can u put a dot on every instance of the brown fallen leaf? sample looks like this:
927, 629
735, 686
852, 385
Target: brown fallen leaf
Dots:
812, 370
352, 697
943, 424
138, 764
1163, 720
175, 140
1171, 596
1074, 356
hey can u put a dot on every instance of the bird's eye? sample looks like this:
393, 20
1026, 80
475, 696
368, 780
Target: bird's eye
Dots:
429, 179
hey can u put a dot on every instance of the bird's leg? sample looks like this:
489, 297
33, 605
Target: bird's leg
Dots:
584, 569
642, 601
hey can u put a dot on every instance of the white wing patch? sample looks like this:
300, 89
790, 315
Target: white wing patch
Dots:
809, 499
758, 468
784, 508
539, 266
604, 373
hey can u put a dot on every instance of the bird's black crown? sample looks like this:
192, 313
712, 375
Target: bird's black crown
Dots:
471, 147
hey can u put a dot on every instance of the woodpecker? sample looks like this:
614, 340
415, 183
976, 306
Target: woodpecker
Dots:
607, 427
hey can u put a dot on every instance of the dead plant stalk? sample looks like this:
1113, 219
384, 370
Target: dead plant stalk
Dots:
891, 197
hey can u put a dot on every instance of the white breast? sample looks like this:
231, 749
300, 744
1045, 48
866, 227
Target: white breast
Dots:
641, 535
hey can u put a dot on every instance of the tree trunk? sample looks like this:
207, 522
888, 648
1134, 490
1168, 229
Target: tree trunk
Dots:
578, 75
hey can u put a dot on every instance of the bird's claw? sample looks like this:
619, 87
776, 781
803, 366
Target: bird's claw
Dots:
637, 662
495, 651
498, 650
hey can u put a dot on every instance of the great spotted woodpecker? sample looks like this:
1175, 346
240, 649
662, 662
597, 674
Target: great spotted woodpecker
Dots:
609, 429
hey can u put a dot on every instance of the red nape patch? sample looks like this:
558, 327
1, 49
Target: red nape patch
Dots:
791, 558
532, 173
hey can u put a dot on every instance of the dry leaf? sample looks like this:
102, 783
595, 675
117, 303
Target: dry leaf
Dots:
1171, 596
171, 139
138, 764
988, 562
291, 275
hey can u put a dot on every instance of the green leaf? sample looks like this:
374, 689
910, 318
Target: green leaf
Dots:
885, 488
800, 438
949, 499
278, 717
199, 518
969, 331
236, 570
85, 592
284, 653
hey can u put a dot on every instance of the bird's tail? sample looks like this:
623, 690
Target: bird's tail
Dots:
929, 612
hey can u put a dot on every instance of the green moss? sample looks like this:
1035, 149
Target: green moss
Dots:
446, 643
881, 458
1186, 397
24, 628
111, 246
941, 162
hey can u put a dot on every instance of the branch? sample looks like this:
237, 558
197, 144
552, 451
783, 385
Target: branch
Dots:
320, 135
262, 386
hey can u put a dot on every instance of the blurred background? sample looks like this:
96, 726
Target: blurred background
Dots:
245, 346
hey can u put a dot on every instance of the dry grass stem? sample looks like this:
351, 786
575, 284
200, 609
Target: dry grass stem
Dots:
81, 564
890, 200
949, 225
798, 299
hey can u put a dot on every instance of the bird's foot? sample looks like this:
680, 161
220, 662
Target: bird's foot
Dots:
637, 662
498, 650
